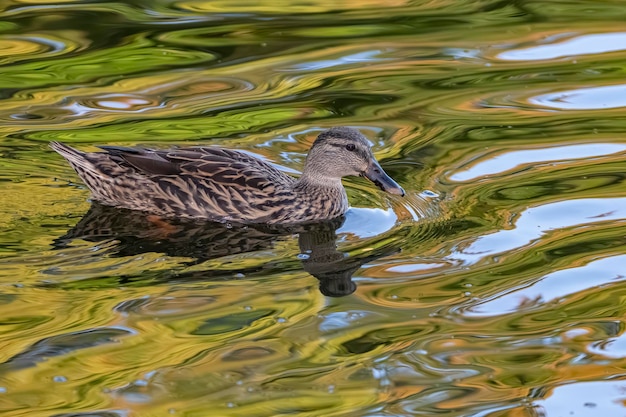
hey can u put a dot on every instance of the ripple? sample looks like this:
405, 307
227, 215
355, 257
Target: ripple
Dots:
580, 45
612, 347
295, 7
14, 48
164, 306
135, 57
554, 286
508, 162
169, 96
17, 46
94, 413
117, 103
368, 222
423, 268
64, 344
593, 98
598, 398
534, 222
363, 57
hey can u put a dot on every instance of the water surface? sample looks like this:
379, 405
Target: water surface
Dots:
494, 288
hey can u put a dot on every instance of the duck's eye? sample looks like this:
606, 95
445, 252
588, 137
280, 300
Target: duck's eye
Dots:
350, 147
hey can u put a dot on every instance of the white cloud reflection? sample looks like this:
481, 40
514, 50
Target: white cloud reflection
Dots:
580, 45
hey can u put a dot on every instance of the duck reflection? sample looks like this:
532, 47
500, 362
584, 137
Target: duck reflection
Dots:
135, 233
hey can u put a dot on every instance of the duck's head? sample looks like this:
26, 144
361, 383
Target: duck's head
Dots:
341, 152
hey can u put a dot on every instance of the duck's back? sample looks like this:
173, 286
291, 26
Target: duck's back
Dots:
201, 182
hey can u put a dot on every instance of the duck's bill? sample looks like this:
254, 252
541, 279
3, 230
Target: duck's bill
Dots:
375, 174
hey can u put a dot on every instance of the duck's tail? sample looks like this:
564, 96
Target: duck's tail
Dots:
77, 159
96, 169
93, 168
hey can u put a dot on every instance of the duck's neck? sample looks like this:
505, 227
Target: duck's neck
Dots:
326, 194
311, 181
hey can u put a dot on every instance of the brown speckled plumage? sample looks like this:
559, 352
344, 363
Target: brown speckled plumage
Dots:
226, 185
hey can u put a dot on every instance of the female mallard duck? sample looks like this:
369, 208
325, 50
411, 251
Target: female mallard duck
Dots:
220, 184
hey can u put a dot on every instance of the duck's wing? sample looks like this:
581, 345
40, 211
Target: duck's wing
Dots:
209, 182
222, 167
144, 161
206, 182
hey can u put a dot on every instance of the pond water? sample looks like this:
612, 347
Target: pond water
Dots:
495, 288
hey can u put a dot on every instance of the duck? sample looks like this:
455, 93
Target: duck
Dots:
225, 185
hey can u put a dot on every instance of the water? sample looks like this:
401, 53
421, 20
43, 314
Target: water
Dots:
495, 288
